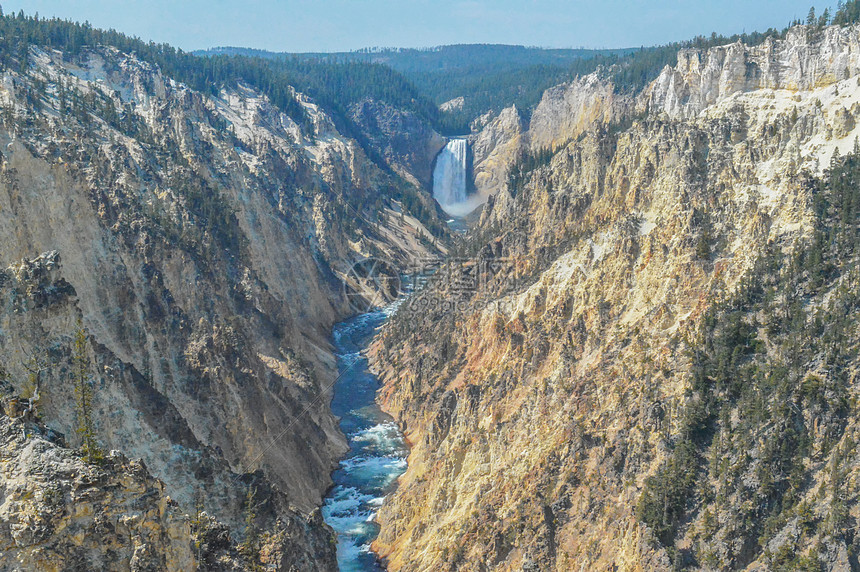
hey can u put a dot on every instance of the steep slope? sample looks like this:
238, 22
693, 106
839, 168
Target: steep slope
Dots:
62, 513
573, 410
406, 142
200, 239
563, 114
58, 510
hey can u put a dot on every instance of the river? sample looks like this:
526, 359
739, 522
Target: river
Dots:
377, 450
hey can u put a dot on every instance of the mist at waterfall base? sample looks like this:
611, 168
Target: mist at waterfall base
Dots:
450, 180
377, 451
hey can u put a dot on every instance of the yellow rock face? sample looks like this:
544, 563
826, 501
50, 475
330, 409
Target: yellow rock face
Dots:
538, 412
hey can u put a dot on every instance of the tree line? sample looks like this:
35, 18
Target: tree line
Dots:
333, 84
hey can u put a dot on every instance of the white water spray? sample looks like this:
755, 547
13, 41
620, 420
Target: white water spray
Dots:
449, 177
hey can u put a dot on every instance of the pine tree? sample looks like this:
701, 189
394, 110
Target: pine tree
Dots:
5, 382
84, 398
36, 364
810, 18
250, 545
198, 523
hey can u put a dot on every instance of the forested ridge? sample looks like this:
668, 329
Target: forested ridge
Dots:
333, 85
491, 77
488, 77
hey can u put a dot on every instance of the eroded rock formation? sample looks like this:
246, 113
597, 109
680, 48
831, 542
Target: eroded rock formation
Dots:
551, 401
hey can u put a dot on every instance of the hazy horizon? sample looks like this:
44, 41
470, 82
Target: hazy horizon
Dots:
349, 25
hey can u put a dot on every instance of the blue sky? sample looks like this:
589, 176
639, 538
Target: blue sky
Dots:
335, 25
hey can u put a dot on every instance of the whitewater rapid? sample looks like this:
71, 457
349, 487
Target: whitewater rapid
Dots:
377, 451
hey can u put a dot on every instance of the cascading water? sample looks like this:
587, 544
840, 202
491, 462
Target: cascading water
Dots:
377, 449
449, 177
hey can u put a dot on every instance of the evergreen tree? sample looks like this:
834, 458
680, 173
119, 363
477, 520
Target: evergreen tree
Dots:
84, 397
250, 546
847, 13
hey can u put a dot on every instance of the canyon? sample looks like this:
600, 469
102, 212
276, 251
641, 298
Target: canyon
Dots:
641, 355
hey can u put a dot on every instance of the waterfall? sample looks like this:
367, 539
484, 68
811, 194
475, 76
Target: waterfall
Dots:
449, 176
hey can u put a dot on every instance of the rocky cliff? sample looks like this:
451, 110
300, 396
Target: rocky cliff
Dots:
564, 112
805, 59
797, 62
199, 239
627, 387
494, 149
62, 513
404, 140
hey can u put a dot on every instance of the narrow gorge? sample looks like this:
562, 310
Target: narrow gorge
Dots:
185, 253
477, 308
377, 455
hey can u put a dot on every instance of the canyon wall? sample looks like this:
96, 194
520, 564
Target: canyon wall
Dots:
199, 241
553, 402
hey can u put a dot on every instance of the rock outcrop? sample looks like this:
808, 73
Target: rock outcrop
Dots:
494, 149
806, 59
566, 111
405, 141
62, 513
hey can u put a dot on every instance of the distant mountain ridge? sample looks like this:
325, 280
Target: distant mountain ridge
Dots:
437, 58
489, 76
